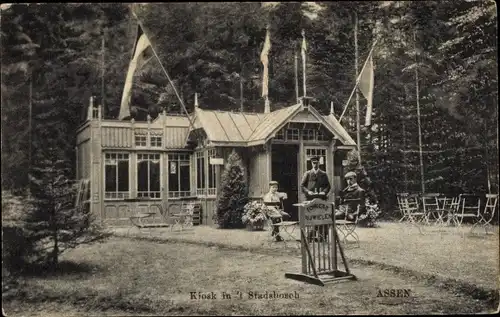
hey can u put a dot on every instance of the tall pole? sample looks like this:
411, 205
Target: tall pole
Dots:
422, 179
29, 119
358, 133
405, 175
296, 77
304, 61
241, 86
102, 69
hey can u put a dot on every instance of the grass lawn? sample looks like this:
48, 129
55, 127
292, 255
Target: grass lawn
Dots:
131, 277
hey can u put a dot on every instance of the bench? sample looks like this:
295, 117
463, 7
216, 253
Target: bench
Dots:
138, 218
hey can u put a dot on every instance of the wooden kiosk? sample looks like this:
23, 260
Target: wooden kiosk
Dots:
319, 245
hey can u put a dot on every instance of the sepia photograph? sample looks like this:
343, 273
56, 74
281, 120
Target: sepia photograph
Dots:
250, 158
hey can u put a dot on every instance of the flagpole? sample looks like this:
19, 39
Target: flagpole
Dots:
168, 76
422, 179
304, 61
357, 81
358, 132
103, 70
296, 77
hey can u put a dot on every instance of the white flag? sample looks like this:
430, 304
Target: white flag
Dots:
366, 81
141, 54
265, 62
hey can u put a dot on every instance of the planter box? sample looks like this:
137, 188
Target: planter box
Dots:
256, 226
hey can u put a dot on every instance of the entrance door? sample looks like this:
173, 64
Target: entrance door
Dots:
284, 170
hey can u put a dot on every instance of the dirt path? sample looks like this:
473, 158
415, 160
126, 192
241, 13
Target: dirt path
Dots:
139, 277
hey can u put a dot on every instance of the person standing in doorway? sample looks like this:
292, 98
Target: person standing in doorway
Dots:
315, 184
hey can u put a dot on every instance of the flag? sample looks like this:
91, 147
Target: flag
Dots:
265, 61
141, 54
366, 81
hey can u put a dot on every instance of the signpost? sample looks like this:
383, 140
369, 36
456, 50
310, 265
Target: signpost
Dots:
319, 244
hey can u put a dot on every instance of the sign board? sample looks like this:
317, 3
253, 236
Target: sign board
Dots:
216, 161
173, 168
317, 212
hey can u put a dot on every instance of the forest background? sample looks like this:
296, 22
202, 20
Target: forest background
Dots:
55, 56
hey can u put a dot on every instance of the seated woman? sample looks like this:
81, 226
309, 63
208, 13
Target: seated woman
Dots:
273, 200
350, 198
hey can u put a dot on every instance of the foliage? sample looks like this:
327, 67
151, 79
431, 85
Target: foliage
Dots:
55, 224
255, 212
232, 195
212, 48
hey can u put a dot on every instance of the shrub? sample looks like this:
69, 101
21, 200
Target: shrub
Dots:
254, 212
232, 195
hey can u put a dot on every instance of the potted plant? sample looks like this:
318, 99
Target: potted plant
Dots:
254, 216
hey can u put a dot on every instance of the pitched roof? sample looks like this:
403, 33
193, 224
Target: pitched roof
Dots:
256, 128
343, 135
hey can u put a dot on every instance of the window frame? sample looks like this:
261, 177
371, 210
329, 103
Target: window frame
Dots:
149, 160
125, 194
179, 157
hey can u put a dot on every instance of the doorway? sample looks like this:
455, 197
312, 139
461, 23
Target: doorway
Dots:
284, 167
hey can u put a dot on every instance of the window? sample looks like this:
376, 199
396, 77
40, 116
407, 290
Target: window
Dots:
200, 173
148, 175
321, 136
116, 176
308, 135
212, 173
280, 135
319, 152
140, 139
156, 141
179, 175
292, 134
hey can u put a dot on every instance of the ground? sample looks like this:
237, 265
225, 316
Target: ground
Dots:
154, 273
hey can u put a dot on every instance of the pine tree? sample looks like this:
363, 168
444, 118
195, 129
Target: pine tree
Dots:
233, 194
54, 224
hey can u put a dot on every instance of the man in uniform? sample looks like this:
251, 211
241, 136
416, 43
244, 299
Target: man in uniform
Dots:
315, 184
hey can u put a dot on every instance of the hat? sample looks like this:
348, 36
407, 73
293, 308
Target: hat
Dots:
314, 158
271, 183
350, 174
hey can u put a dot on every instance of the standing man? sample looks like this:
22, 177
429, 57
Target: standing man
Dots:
315, 184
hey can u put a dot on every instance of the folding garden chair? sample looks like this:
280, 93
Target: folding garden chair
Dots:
470, 208
409, 207
453, 208
431, 208
486, 215
347, 226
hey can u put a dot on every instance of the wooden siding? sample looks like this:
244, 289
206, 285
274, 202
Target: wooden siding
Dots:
83, 168
116, 137
305, 116
259, 173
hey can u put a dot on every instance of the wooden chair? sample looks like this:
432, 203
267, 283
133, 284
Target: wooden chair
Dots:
185, 216
469, 208
347, 226
488, 213
431, 208
409, 208
453, 208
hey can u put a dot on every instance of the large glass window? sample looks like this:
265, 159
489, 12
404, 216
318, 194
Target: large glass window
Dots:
212, 173
116, 176
179, 175
148, 175
318, 152
200, 173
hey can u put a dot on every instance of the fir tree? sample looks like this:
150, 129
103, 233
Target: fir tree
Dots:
55, 224
233, 194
